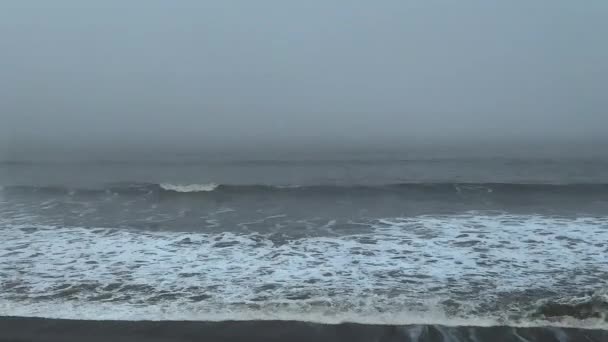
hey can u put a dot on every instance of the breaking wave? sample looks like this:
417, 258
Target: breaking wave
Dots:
189, 188
427, 188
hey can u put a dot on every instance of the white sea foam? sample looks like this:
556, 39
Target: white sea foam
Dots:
189, 187
400, 273
179, 311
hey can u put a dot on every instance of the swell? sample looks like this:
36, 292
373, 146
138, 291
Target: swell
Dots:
397, 188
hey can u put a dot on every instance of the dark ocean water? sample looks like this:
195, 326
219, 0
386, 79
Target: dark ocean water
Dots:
392, 243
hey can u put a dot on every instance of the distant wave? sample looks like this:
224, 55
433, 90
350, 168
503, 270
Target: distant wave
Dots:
363, 189
189, 187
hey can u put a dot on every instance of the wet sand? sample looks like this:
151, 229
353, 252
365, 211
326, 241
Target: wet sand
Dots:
53, 330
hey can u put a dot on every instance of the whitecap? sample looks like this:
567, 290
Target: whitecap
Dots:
189, 187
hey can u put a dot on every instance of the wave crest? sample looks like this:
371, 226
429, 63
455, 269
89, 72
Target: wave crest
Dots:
454, 189
189, 187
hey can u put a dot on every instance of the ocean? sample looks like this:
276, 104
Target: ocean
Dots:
350, 249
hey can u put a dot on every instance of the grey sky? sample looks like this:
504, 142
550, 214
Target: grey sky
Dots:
300, 71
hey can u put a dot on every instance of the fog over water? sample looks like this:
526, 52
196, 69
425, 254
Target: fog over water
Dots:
147, 77
429, 170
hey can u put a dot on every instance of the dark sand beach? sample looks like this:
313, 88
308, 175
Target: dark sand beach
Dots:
52, 330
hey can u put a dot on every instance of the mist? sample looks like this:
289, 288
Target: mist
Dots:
189, 75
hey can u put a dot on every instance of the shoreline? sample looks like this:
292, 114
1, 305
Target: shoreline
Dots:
50, 330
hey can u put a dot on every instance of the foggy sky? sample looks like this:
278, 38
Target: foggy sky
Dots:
86, 73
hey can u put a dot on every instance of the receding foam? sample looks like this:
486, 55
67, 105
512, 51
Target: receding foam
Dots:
454, 270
